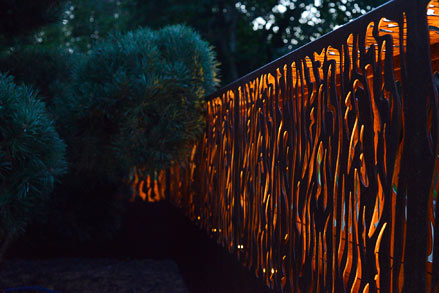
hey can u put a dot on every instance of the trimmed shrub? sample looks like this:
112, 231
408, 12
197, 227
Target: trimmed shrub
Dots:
137, 100
180, 45
31, 157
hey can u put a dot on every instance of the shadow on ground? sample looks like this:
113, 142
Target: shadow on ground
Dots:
160, 231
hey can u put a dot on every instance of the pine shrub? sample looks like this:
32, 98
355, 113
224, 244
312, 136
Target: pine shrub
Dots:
180, 45
32, 156
136, 101
47, 70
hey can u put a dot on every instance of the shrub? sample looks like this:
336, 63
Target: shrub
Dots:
47, 70
137, 101
180, 45
31, 157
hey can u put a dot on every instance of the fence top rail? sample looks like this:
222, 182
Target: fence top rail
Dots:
329, 39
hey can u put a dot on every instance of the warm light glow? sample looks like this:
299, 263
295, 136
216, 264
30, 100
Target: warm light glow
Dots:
149, 189
307, 156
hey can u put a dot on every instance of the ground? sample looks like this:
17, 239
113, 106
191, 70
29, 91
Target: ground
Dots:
156, 233
93, 275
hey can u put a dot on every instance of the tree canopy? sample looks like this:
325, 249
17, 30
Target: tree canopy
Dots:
246, 34
249, 33
23, 17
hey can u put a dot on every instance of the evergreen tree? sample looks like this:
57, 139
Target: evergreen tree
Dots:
31, 158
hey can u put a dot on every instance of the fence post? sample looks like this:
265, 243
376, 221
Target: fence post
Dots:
236, 184
418, 157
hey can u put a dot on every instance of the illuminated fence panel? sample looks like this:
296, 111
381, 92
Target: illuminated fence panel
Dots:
151, 189
320, 170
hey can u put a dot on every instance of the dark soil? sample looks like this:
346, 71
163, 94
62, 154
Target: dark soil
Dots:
155, 232
92, 275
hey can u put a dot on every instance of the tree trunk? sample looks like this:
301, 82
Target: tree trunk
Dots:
227, 19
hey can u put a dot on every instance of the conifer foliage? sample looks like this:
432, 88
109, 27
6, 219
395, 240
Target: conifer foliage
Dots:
134, 103
47, 70
31, 157
137, 100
